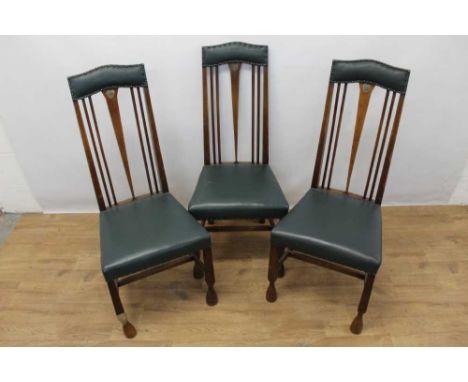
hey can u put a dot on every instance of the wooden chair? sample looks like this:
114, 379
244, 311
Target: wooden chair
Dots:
239, 190
338, 229
139, 237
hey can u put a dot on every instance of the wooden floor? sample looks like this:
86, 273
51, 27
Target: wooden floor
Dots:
52, 291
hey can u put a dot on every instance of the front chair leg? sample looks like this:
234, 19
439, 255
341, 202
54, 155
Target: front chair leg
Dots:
197, 266
211, 296
128, 329
357, 324
273, 269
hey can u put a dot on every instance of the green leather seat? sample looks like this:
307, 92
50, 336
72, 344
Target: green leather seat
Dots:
145, 233
334, 227
238, 191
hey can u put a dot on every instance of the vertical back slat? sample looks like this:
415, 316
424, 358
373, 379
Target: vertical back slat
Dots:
96, 154
332, 132
212, 107
265, 150
234, 69
258, 114
377, 140
156, 147
365, 91
206, 128
140, 138
147, 139
323, 135
218, 124
253, 113
391, 146
89, 158
338, 129
382, 145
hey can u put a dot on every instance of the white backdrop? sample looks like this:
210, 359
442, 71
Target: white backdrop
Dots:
429, 159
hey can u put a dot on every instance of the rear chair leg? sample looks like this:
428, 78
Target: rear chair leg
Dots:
357, 324
128, 329
211, 296
281, 270
197, 266
273, 269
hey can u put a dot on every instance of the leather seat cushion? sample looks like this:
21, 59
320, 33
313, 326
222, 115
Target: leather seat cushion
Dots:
147, 232
334, 227
238, 191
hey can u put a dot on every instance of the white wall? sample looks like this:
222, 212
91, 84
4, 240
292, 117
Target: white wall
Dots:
15, 194
429, 158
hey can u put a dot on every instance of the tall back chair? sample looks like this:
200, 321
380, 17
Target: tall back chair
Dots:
336, 228
239, 190
146, 234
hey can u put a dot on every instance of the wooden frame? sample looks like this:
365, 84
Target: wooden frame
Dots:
151, 156
325, 160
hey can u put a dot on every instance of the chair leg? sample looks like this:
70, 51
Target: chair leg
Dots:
281, 270
197, 266
357, 324
273, 269
211, 296
128, 329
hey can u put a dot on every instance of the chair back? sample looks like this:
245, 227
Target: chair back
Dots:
109, 80
234, 54
368, 74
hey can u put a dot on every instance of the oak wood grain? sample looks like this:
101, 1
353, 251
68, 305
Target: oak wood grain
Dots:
365, 91
234, 69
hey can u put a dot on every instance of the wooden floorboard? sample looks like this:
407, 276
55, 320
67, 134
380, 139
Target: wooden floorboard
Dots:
52, 291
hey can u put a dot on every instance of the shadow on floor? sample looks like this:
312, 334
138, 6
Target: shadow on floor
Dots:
7, 225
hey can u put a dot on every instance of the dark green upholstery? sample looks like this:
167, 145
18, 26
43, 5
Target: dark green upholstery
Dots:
370, 72
145, 233
238, 191
105, 77
334, 227
234, 52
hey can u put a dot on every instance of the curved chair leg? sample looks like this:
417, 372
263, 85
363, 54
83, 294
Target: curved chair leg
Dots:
357, 324
128, 329
273, 269
198, 271
211, 296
